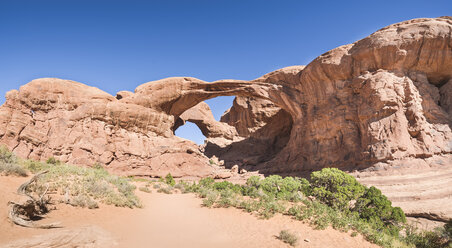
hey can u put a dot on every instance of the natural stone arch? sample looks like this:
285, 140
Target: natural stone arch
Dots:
176, 95
351, 107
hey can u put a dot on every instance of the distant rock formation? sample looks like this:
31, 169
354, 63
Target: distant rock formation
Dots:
386, 97
381, 101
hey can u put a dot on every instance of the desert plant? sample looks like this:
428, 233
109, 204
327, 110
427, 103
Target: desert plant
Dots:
270, 208
375, 207
12, 169
75, 181
427, 239
335, 187
210, 199
182, 186
288, 237
166, 190
448, 228
206, 182
276, 187
145, 189
170, 180
84, 201
53, 161
249, 205
274, 194
9, 163
97, 166
6, 156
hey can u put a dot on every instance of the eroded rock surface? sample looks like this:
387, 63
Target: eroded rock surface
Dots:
382, 99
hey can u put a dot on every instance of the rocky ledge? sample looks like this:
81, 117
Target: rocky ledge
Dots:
381, 102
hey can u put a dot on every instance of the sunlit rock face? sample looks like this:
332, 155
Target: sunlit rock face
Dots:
384, 98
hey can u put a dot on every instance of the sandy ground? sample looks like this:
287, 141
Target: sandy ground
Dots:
176, 220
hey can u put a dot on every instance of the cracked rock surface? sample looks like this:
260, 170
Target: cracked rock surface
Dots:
381, 100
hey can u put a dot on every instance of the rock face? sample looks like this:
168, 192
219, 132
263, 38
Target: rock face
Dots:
84, 125
262, 131
383, 99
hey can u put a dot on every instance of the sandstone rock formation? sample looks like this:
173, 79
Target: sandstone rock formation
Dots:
381, 100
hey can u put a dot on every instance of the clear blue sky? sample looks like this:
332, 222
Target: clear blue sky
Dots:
118, 45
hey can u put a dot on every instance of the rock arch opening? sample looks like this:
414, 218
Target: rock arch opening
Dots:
251, 132
191, 132
197, 123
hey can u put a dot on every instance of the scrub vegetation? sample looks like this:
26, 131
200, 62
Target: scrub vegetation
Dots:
75, 185
331, 198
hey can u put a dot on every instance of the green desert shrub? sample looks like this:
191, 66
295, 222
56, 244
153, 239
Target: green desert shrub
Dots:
9, 163
206, 182
53, 161
270, 208
335, 187
12, 169
288, 237
145, 189
6, 156
448, 228
182, 186
370, 213
225, 185
210, 199
427, 239
375, 207
166, 190
77, 181
276, 187
83, 201
249, 205
170, 180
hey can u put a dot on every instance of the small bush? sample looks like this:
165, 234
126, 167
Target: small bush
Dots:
97, 166
166, 190
6, 156
13, 169
145, 189
9, 163
270, 208
448, 228
288, 237
97, 184
183, 187
84, 201
249, 205
335, 187
376, 208
53, 161
225, 185
170, 180
276, 187
427, 239
206, 182
210, 199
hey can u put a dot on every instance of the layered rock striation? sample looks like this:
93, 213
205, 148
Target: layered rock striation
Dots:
384, 98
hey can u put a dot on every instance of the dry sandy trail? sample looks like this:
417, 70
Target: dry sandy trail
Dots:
176, 220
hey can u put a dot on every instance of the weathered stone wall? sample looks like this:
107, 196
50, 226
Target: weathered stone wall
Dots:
383, 98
